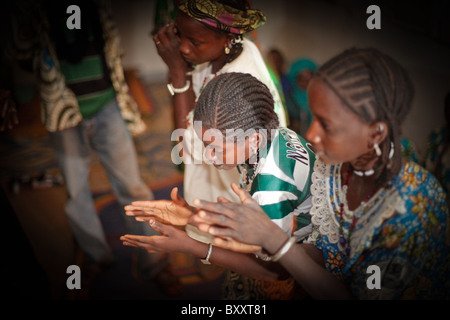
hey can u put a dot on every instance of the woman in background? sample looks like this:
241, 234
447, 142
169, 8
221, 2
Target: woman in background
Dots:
300, 73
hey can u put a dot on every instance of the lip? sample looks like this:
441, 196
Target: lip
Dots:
187, 59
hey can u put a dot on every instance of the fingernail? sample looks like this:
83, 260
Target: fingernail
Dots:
202, 214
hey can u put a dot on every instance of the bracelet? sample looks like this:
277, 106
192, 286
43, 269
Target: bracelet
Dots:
173, 90
208, 255
280, 253
285, 248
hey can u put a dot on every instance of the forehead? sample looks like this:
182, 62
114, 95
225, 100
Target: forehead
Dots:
325, 103
192, 28
321, 96
215, 139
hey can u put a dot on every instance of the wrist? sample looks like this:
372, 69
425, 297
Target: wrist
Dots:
173, 90
198, 249
276, 255
275, 241
206, 258
179, 77
180, 83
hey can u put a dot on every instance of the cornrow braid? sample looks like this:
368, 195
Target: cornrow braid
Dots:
376, 88
233, 101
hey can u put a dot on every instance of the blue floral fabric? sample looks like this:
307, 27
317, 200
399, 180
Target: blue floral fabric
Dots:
405, 238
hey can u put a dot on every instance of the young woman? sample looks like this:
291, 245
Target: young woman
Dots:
380, 223
240, 129
207, 40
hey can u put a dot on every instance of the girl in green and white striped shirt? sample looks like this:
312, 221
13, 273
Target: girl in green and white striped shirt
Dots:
235, 119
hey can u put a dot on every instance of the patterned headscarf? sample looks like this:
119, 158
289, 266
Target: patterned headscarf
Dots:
223, 17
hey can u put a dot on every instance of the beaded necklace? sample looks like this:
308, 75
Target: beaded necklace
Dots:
246, 180
344, 241
204, 82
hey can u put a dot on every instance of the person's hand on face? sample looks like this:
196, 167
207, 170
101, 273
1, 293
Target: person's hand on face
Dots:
168, 44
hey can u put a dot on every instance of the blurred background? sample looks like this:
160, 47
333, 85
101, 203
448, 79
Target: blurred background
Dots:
416, 33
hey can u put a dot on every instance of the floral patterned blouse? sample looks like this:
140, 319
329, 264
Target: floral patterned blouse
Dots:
403, 231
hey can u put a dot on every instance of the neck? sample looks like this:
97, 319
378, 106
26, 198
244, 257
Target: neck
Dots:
364, 163
218, 63
359, 188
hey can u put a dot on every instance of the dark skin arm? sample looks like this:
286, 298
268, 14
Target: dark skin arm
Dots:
173, 239
170, 217
247, 223
168, 46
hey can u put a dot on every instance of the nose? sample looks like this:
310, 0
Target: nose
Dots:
184, 47
313, 133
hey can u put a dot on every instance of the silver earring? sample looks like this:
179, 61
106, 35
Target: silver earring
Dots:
377, 149
391, 153
380, 128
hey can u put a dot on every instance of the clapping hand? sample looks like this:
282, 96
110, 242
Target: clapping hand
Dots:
176, 212
239, 227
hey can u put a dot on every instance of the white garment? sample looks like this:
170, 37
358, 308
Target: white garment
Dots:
204, 181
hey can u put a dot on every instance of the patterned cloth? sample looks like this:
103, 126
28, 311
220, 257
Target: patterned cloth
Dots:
404, 230
223, 17
435, 149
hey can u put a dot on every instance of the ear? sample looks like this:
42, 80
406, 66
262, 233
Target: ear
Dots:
256, 139
378, 132
228, 39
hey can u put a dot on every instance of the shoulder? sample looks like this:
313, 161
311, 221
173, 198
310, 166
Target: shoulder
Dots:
289, 149
289, 159
249, 61
422, 211
416, 185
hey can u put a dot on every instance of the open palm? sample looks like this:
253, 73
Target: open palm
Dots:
176, 211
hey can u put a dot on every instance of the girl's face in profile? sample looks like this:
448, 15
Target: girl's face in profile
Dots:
223, 154
337, 134
199, 44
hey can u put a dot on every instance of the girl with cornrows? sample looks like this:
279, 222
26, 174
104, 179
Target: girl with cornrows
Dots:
207, 40
380, 223
240, 129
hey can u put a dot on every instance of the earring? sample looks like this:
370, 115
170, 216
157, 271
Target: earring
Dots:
380, 128
391, 153
377, 149
227, 50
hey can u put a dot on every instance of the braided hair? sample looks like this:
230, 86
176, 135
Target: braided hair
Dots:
376, 88
233, 101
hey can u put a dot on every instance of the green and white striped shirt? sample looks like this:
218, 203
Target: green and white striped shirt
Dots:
282, 183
